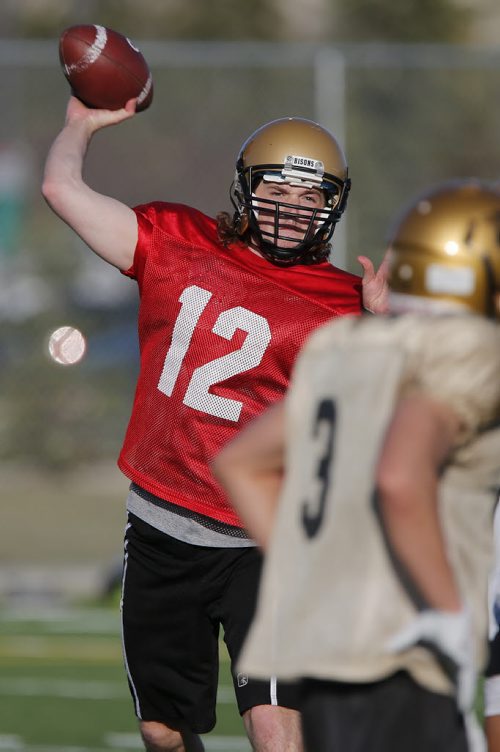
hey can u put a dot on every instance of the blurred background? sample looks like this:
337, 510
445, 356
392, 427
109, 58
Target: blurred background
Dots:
409, 88
411, 91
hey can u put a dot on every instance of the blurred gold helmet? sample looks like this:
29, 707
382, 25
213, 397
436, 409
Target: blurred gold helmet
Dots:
445, 250
299, 152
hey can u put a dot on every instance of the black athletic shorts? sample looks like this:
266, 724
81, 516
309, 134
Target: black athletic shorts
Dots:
175, 598
393, 715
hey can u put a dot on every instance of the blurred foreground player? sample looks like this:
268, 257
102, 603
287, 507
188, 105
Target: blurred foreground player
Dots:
374, 587
492, 678
225, 306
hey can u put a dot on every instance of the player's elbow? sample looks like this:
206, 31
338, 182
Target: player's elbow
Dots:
65, 198
53, 192
394, 489
48, 190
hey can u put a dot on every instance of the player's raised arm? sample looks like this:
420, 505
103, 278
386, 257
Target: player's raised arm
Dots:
106, 225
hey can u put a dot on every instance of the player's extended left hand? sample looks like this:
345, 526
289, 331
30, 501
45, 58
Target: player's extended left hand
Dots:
375, 287
451, 634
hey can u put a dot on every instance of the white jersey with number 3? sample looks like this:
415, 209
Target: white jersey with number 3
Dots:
331, 596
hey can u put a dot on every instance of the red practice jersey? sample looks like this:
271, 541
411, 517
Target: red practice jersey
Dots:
219, 331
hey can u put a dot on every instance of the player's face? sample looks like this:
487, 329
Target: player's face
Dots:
287, 213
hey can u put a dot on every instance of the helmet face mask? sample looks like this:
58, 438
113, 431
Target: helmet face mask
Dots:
445, 251
299, 153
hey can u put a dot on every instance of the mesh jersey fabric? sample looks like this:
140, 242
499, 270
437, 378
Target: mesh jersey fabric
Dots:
219, 330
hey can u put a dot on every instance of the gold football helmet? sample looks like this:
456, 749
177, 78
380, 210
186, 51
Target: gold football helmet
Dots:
299, 152
445, 250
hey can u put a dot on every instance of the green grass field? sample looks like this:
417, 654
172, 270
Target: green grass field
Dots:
63, 687
62, 682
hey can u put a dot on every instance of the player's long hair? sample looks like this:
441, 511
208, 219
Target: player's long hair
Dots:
230, 231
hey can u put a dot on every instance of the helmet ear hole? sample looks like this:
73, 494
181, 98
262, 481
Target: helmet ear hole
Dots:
332, 199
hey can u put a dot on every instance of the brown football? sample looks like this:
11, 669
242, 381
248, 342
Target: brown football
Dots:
104, 68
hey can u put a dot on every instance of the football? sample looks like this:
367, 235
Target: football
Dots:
104, 68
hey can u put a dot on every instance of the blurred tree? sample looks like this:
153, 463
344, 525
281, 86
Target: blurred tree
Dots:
402, 21
277, 20
164, 19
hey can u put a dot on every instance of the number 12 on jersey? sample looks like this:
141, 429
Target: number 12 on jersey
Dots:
193, 302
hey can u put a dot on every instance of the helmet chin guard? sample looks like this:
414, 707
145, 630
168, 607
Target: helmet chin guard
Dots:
301, 153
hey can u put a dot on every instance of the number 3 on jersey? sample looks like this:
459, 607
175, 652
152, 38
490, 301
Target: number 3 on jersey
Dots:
313, 510
193, 302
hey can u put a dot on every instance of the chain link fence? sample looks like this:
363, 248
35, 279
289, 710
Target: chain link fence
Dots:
407, 116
